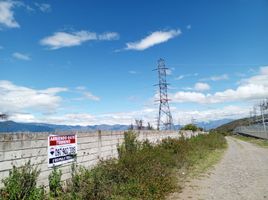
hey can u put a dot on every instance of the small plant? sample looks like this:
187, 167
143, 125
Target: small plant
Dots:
21, 184
55, 187
130, 144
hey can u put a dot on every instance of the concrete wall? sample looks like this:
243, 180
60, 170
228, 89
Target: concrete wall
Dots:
18, 148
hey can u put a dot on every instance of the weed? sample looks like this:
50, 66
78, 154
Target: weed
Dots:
54, 178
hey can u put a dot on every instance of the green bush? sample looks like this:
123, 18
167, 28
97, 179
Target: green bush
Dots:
130, 144
190, 127
55, 188
21, 184
143, 170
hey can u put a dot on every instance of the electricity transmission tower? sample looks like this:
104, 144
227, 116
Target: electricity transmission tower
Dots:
164, 120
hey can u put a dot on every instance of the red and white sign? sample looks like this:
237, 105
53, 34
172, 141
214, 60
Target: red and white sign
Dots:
61, 149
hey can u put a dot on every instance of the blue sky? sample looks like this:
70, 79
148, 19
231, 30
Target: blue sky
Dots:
90, 62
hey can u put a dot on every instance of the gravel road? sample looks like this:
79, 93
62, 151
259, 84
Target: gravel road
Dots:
242, 174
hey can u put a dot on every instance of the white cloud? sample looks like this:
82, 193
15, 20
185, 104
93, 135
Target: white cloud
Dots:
109, 36
7, 15
132, 72
81, 88
21, 56
90, 96
182, 96
146, 114
201, 86
64, 39
44, 7
68, 39
180, 77
255, 87
126, 118
14, 98
226, 112
216, 78
86, 94
152, 39
169, 71
22, 117
24, 105
84, 119
189, 26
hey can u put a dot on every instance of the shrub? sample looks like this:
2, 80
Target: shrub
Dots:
55, 188
143, 170
190, 127
130, 144
21, 184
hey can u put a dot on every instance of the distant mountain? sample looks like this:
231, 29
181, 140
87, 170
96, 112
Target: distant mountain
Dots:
10, 126
213, 124
229, 127
209, 125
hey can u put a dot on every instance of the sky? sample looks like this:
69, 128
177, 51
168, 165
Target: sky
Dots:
91, 62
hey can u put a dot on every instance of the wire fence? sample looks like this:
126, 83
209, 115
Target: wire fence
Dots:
256, 130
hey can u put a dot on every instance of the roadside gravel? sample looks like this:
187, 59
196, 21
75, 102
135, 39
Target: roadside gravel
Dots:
242, 174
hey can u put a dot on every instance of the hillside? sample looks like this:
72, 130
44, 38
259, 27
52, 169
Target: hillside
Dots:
11, 126
213, 124
229, 127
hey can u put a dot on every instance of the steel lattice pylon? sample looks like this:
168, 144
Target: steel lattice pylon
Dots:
164, 120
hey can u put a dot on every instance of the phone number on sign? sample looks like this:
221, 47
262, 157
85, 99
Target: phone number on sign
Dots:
63, 151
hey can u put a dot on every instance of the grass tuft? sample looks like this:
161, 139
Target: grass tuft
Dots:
256, 141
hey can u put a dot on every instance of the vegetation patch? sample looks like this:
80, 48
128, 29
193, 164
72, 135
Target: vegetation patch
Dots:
142, 171
256, 141
228, 128
191, 127
21, 184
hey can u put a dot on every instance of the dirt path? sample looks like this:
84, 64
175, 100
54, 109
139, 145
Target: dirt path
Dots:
242, 174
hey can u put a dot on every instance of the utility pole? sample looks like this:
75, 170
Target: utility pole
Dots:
265, 108
250, 118
164, 119
255, 114
262, 107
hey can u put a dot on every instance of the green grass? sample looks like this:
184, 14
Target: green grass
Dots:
205, 164
207, 153
256, 141
147, 171
142, 171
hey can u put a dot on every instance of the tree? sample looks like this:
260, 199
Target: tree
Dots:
3, 116
131, 127
149, 126
191, 127
139, 124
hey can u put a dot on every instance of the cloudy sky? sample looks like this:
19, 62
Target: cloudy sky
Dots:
90, 62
